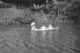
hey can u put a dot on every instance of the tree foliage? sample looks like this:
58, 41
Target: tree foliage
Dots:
65, 10
73, 12
57, 10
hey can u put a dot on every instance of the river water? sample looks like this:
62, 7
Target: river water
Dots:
65, 40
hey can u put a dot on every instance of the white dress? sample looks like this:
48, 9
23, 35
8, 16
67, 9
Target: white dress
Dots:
43, 28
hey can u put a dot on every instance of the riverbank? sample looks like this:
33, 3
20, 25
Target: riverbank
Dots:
14, 16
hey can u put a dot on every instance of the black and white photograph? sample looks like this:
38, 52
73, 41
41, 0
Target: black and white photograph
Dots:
39, 26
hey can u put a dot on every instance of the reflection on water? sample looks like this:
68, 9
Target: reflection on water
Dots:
65, 40
33, 35
43, 35
51, 33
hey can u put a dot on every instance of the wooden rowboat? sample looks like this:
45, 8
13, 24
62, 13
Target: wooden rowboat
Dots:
44, 28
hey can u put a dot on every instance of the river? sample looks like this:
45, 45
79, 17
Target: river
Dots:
65, 40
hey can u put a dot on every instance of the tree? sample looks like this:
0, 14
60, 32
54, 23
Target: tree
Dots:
58, 9
73, 12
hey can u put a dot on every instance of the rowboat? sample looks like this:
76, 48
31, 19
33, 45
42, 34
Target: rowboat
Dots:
44, 28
